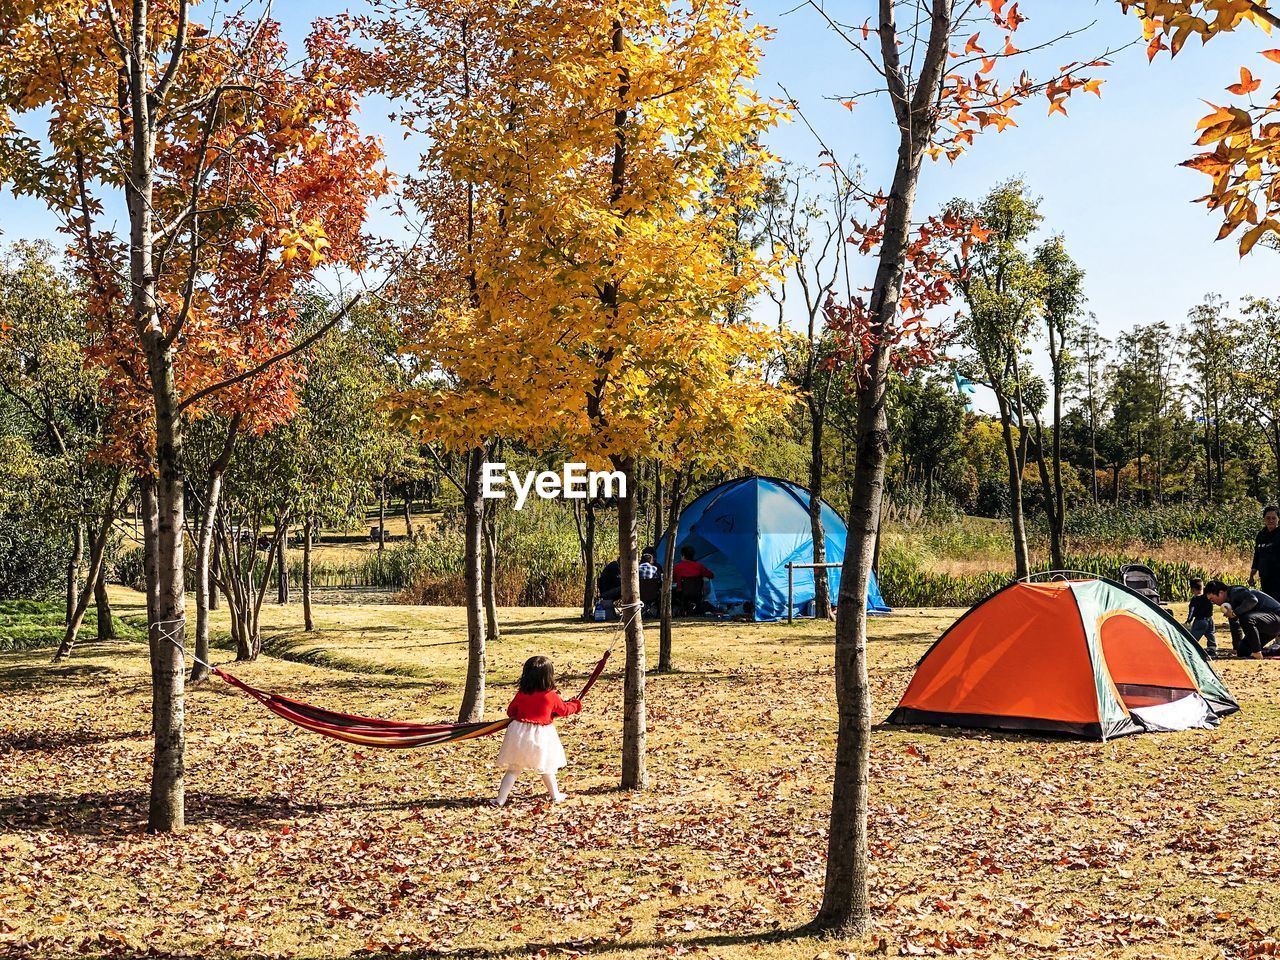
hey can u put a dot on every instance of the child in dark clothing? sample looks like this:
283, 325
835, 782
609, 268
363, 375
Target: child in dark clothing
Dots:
1200, 617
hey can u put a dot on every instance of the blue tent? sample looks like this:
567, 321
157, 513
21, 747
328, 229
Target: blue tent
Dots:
748, 530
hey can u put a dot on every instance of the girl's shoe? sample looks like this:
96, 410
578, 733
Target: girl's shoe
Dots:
493, 802
560, 798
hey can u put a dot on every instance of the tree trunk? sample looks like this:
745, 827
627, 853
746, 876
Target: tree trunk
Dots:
821, 591
490, 573
1059, 543
845, 903
73, 569
382, 514
206, 596
472, 707
587, 543
106, 619
408, 515
1021, 557
215, 571
668, 564
308, 623
97, 551
282, 569
634, 774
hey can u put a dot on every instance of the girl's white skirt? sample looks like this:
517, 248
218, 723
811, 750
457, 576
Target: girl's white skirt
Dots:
531, 746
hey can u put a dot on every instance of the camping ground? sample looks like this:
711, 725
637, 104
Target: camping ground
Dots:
982, 844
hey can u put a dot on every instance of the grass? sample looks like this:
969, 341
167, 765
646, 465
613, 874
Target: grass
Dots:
37, 624
1155, 846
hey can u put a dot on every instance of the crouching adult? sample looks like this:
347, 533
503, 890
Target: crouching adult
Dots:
1253, 616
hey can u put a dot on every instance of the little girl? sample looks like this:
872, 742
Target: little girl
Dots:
531, 741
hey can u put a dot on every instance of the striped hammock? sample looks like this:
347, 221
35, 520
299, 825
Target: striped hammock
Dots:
371, 732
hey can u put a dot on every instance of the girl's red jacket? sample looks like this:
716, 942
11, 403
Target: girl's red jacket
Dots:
541, 708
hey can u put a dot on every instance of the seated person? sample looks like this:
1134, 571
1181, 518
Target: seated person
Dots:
648, 569
609, 583
688, 568
1253, 616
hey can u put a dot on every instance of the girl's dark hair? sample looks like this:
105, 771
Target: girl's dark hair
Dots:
538, 676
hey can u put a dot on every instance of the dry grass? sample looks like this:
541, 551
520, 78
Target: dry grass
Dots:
1156, 846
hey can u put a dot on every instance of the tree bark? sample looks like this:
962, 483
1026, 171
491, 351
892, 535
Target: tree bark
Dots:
205, 595
472, 707
106, 619
587, 544
845, 903
1021, 555
93, 578
282, 569
821, 591
490, 573
308, 623
408, 515
668, 564
73, 568
382, 514
635, 776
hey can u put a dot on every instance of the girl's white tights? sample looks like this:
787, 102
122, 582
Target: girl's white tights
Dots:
509, 781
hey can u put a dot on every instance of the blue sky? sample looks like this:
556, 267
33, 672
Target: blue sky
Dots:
1108, 173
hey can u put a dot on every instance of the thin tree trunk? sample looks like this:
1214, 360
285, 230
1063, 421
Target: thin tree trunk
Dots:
206, 597
308, 623
821, 591
73, 569
86, 593
106, 619
282, 569
635, 776
674, 507
490, 572
1021, 557
587, 544
382, 514
472, 707
215, 571
408, 516
845, 903
658, 502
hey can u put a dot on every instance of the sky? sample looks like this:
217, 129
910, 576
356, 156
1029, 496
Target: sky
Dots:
1108, 173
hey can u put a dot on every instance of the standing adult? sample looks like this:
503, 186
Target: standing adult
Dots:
1264, 572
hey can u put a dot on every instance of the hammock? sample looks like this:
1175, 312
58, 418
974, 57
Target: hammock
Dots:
371, 732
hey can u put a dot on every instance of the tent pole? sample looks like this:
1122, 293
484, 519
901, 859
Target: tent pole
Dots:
791, 576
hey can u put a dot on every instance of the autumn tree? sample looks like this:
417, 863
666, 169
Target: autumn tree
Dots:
944, 87
240, 173
593, 161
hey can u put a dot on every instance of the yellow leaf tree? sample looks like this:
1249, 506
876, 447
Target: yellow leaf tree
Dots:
605, 152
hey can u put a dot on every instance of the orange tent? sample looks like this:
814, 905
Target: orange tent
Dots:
1084, 657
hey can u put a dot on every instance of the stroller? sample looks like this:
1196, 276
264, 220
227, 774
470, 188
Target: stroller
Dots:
1141, 579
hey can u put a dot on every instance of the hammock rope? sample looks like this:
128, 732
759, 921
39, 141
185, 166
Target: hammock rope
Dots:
371, 731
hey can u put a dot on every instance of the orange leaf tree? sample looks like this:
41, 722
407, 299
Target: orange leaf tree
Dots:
238, 174
1241, 138
931, 59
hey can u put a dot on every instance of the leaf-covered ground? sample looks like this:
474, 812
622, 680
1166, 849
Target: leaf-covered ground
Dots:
1155, 846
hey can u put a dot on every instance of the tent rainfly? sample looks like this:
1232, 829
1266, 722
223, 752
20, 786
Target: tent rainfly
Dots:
1089, 658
